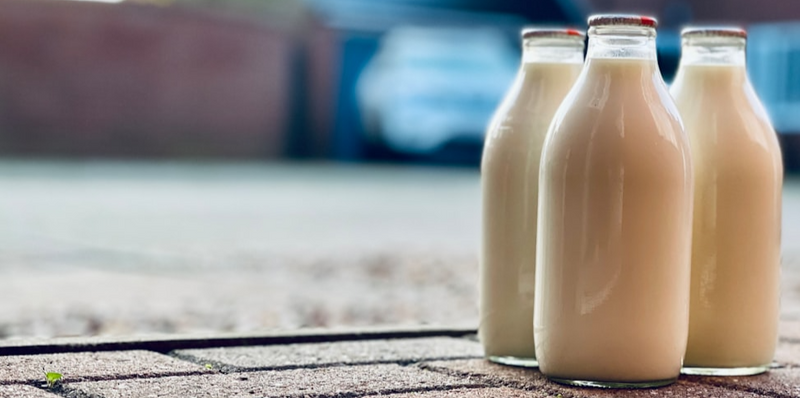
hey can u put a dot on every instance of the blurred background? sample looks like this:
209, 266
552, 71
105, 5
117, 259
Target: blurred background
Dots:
172, 166
345, 80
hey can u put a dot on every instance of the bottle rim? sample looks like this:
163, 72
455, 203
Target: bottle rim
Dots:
714, 31
623, 20
535, 32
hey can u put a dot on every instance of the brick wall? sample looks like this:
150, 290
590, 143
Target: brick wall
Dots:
95, 79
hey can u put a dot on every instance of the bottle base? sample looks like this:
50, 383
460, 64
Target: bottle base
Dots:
740, 371
613, 384
514, 361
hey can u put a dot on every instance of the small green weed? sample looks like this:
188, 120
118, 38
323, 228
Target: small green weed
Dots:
52, 378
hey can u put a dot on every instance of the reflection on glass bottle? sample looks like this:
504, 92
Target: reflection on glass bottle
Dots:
552, 60
733, 323
614, 232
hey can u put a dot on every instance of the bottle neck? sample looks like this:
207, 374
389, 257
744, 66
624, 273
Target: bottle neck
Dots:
636, 43
552, 50
720, 51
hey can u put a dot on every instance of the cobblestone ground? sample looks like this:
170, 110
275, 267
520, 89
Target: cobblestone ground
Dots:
434, 367
111, 248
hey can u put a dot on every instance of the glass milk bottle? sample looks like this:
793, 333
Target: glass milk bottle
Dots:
733, 322
551, 61
615, 220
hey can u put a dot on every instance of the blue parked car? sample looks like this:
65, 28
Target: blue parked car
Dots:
429, 86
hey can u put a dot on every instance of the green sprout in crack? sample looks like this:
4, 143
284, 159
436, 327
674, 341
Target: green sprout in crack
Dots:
52, 378
209, 366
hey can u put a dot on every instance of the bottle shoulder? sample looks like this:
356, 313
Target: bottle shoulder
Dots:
725, 119
525, 117
627, 112
619, 123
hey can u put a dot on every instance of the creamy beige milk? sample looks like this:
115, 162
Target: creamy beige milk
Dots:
612, 281
509, 170
737, 204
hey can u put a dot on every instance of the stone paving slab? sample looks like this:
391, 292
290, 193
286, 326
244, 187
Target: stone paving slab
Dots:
351, 352
530, 379
777, 382
347, 380
93, 365
202, 247
403, 367
789, 329
502, 392
490, 373
21, 390
681, 389
787, 354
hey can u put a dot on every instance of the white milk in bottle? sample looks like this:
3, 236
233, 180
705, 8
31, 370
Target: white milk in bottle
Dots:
615, 220
733, 323
551, 61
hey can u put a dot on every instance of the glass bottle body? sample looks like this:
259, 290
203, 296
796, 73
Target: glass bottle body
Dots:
614, 231
509, 170
735, 290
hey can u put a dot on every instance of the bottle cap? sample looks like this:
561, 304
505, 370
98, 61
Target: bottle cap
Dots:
715, 31
552, 32
622, 20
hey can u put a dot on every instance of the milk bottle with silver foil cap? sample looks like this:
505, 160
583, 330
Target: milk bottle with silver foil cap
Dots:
615, 220
733, 323
551, 61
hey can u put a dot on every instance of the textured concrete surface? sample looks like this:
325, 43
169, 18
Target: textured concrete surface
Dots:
788, 354
777, 382
473, 393
20, 390
352, 381
533, 380
120, 249
681, 389
490, 373
789, 329
92, 365
400, 350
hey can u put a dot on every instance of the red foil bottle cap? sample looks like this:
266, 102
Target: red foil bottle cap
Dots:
551, 32
714, 31
622, 20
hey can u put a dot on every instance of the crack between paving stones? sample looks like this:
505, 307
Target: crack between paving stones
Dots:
66, 381
492, 381
389, 391
166, 345
37, 383
216, 365
229, 369
64, 390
